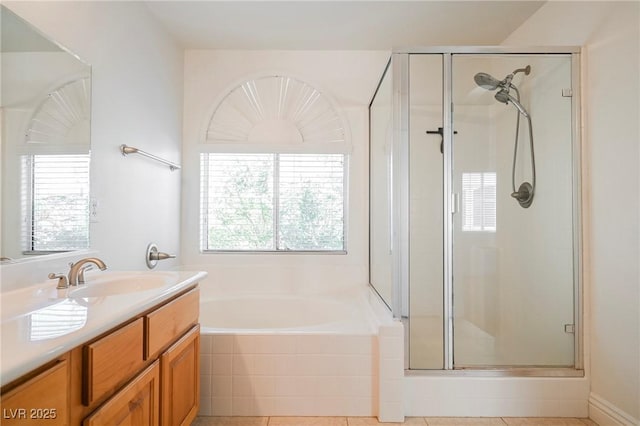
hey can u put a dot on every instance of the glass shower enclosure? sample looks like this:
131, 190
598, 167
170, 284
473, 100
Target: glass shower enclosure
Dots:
475, 207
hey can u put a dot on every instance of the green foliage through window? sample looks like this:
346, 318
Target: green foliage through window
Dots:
272, 202
56, 202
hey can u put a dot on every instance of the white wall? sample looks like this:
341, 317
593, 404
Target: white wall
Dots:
136, 100
610, 34
350, 78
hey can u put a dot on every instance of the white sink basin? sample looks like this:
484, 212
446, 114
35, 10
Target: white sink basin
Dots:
110, 284
30, 299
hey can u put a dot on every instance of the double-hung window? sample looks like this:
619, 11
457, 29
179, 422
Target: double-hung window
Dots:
273, 202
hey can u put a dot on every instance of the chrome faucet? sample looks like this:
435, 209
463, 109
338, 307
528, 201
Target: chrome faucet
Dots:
76, 273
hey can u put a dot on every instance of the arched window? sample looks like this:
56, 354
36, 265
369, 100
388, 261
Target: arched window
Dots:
273, 167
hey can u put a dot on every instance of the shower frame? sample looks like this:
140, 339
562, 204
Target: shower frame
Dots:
400, 229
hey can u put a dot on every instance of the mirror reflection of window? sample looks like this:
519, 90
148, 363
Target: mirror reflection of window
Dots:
55, 200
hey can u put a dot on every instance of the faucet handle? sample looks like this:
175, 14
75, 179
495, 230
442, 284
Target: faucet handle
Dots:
62, 280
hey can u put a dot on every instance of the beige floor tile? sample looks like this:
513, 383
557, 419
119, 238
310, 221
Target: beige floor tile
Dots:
373, 421
365, 421
308, 421
464, 421
542, 421
230, 421
414, 421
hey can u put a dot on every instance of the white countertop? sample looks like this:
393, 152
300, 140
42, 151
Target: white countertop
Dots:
39, 323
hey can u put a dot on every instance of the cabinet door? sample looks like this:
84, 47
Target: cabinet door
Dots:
137, 404
41, 400
180, 369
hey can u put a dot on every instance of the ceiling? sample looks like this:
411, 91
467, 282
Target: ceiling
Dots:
16, 35
340, 25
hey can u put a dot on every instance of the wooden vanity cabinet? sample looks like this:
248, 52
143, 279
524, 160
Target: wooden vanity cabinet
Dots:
161, 349
157, 358
144, 372
40, 399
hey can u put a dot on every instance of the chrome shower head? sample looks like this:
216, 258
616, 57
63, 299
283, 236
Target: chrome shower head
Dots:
487, 81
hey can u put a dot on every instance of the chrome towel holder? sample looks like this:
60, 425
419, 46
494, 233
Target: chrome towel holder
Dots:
124, 149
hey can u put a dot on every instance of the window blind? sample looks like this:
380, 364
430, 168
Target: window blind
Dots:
272, 202
479, 201
53, 181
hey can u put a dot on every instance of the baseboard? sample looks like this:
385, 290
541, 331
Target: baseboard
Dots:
463, 396
605, 413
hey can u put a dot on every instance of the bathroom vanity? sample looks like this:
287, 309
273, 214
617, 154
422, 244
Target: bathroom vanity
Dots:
135, 360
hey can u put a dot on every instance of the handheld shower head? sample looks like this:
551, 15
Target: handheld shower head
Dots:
504, 97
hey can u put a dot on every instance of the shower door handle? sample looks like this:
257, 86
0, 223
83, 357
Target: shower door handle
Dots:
455, 203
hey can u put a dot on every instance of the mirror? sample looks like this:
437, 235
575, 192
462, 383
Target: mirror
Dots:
45, 110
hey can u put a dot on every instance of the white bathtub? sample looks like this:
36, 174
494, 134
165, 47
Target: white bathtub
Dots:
282, 313
283, 355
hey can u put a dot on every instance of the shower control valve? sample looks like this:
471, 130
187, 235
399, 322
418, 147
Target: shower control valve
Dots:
154, 255
524, 195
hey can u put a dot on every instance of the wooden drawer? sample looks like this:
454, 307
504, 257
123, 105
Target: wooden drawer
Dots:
112, 360
167, 323
41, 400
136, 404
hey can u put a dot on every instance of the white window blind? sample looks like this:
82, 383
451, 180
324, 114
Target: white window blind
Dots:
52, 181
479, 201
272, 202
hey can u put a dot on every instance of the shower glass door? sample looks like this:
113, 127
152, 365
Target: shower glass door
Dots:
513, 264
426, 316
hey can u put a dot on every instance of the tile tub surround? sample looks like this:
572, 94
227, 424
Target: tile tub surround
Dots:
288, 375
329, 369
